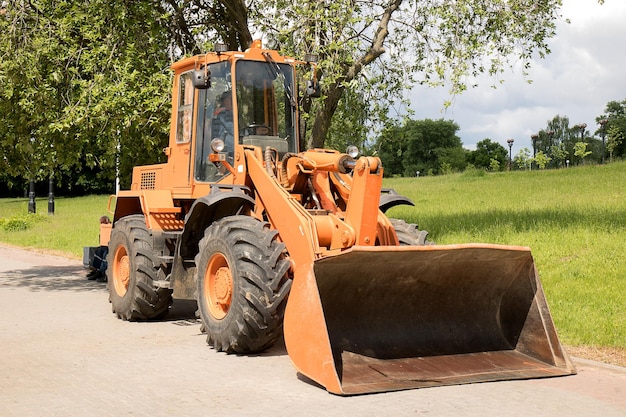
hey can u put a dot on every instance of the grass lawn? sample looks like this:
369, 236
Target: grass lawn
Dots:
75, 224
574, 220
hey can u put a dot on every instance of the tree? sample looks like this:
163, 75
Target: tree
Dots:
615, 113
541, 159
421, 145
557, 139
390, 148
580, 150
352, 124
486, 150
76, 79
384, 46
522, 159
559, 154
452, 159
613, 140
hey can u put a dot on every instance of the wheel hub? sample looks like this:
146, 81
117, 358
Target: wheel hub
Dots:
223, 285
121, 271
218, 290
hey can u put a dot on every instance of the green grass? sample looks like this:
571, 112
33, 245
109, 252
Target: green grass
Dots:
574, 220
75, 224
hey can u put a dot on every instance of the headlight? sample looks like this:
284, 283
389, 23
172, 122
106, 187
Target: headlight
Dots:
217, 145
353, 151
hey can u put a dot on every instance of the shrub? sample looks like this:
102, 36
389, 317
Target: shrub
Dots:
22, 222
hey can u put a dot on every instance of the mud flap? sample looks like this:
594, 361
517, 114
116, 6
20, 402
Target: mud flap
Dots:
410, 317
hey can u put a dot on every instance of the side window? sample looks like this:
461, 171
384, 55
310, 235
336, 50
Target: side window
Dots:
185, 108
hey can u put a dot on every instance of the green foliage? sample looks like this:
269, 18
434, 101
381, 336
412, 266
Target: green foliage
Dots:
574, 235
559, 154
615, 113
471, 172
351, 125
420, 145
557, 140
20, 222
580, 150
542, 160
76, 78
522, 159
445, 168
614, 139
487, 151
381, 48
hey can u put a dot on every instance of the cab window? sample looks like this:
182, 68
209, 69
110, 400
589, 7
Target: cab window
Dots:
185, 108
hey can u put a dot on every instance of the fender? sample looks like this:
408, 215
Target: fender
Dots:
222, 201
390, 198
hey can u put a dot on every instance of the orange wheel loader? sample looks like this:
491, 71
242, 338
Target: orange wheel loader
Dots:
271, 240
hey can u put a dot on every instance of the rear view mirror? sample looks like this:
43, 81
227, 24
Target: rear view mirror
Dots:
201, 79
313, 88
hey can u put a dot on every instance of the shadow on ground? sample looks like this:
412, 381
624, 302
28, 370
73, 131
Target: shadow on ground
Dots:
50, 278
73, 278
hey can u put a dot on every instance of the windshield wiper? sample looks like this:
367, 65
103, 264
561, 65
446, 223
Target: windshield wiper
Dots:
277, 73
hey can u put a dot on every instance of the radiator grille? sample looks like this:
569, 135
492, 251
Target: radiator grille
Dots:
148, 180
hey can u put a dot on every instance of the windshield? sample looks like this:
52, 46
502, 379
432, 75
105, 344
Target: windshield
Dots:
266, 109
262, 112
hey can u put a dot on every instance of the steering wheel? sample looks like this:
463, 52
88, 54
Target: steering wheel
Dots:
258, 129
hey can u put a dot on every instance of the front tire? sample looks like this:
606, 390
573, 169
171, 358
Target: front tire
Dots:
131, 271
242, 284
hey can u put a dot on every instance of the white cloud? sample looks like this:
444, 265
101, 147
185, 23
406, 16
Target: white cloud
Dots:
582, 74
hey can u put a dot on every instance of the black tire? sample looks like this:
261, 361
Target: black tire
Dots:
132, 268
409, 234
242, 284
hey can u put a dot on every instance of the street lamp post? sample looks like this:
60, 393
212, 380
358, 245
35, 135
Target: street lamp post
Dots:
534, 139
510, 142
603, 123
582, 128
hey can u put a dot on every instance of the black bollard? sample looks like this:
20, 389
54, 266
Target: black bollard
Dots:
51, 196
32, 206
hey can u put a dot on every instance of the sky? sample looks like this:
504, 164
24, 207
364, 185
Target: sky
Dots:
585, 70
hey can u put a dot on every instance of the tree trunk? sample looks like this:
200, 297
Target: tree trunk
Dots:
237, 20
324, 117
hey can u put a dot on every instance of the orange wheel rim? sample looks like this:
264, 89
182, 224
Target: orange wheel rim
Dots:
121, 271
218, 286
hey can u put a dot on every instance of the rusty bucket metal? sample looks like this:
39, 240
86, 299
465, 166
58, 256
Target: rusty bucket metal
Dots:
375, 319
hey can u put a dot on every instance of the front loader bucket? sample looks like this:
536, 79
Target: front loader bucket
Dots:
376, 319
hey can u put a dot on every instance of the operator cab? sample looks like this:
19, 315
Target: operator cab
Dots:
248, 101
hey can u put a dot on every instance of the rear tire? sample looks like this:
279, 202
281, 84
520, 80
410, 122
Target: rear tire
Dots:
242, 284
408, 233
132, 268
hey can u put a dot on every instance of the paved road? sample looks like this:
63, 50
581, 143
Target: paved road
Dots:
63, 353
